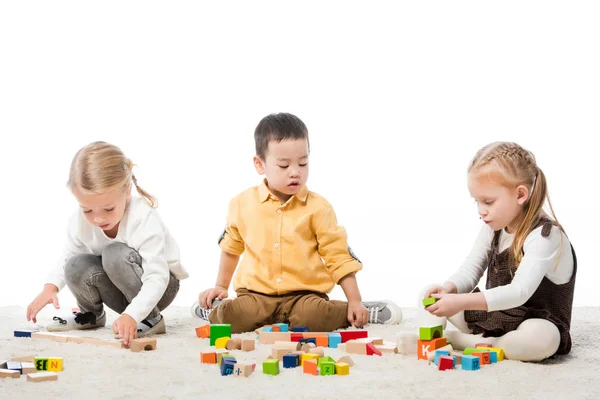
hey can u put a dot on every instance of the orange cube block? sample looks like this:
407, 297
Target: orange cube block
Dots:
208, 357
425, 347
203, 332
484, 357
310, 367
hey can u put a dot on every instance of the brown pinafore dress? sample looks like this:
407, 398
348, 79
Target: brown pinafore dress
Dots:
550, 301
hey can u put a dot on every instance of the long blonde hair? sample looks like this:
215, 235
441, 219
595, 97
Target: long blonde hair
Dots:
100, 167
516, 166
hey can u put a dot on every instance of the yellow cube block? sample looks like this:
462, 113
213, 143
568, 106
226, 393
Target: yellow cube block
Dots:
55, 364
308, 356
498, 351
342, 369
221, 343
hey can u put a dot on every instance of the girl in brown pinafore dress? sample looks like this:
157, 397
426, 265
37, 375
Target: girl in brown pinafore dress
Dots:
528, 317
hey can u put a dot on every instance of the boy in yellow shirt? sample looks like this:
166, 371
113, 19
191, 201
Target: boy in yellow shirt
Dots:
295, 252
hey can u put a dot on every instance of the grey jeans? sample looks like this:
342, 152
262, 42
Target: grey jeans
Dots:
113, 278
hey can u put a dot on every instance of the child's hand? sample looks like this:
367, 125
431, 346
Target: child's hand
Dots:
126, 327
357, 314
447, 304
47, 296
439, 289
206, 298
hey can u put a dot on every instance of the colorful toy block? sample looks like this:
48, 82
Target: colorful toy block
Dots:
282, 327
138, 345
242, 370
470, 350
226, 366
300, 329
308, 356
483, 345
220, 353
372, 350
426, 346
327, 368
42, 377
267, 329
218, 331
308, 340
496, 350
292, 346
296, 337
9, 373
221, 343
470, 363
310, 367
438, 354
429, 301
272, 337
342, 368
446, 362
431, 332
203, 332
208, 357
22, 359
484, 357
291, 361
14, 366
234, 344
307, 347
353, 334
324, 359
431, 354
53, 364
322, 339
248, 344
24, 333
279, 353
493, 357
271, 367
334, 339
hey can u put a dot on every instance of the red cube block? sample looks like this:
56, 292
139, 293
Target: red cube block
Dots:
445, 363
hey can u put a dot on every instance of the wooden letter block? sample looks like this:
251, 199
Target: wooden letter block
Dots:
431, 332
138, 345
208, 357
291, 361
310, 367
327, 368
203, 332
335, 339
424, 347
484, 357
54, 364
9, 373
242, 370
498, 351
470, 363
248, 344
42, 376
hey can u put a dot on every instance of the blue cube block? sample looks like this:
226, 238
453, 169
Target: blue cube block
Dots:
493, 357
24, 333
470, 363
283, 327
267, 329
291, 360
308, 340
438, 354
14, 366
227, 364
334, 339
300, 329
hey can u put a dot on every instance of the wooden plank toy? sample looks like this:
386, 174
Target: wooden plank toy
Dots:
429, 301
234, 344
22, 359
242, 370
147, 344
9, 373
431, 332
52, 364
42, 377
342, 368
208, 357
248, 344
203, 332
470, 363
221, 343
272, 337
310, 367
387, 348
346, 360
291, 361
103, 343
24, 332
218, 331
51, 336
424, 347
372, 340
446, 362
271, 367
28, 368
353, 334
76, 339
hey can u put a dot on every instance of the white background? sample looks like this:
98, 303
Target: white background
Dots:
397, 99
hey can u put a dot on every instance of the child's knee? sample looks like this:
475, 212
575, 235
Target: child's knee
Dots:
534, 340
79, 267
115, 254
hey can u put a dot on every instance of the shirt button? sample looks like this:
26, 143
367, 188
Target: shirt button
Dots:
278, 211
278, 280
276, 245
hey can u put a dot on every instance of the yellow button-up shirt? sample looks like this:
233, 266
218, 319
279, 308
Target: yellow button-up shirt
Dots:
288, 247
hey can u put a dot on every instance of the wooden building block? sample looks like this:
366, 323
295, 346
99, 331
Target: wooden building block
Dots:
301, 328
342, 368
28, 368
208, 357
431, 332
279, 353
353, 334
335, 339
248, 344
23, 359
275, 328
3, 364
310, 367
387, 348
282, 327
271, 367
296, 337
373, 340
482, 345
498, 351
319, 350
51, 336
431, 354
354, 347
104, 343
218, 331
327, 368
268, 328
292, 346
147, 344
14, 366
372, 350
341, 347
307, 347
470, 363
484, 357
242, 370
227, 364
272, 337
234, 344
53, 364
429, 301
308, 356
42, 376
220, 353
203, 332
24, 332
424, 347
445, 362
75, 339
9, 373
308, 340
322, 339
221, 342
291, 361
347, 360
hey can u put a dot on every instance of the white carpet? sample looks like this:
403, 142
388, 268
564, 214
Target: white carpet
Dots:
174, 371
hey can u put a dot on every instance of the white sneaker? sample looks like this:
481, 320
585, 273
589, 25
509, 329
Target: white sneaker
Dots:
77, 321
383, 312
203, 313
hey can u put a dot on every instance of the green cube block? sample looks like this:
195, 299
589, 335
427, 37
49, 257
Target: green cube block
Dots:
470, 350
41, 363
219, 331
429, 301
327, 368
431, 332
271, 367
324, 360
